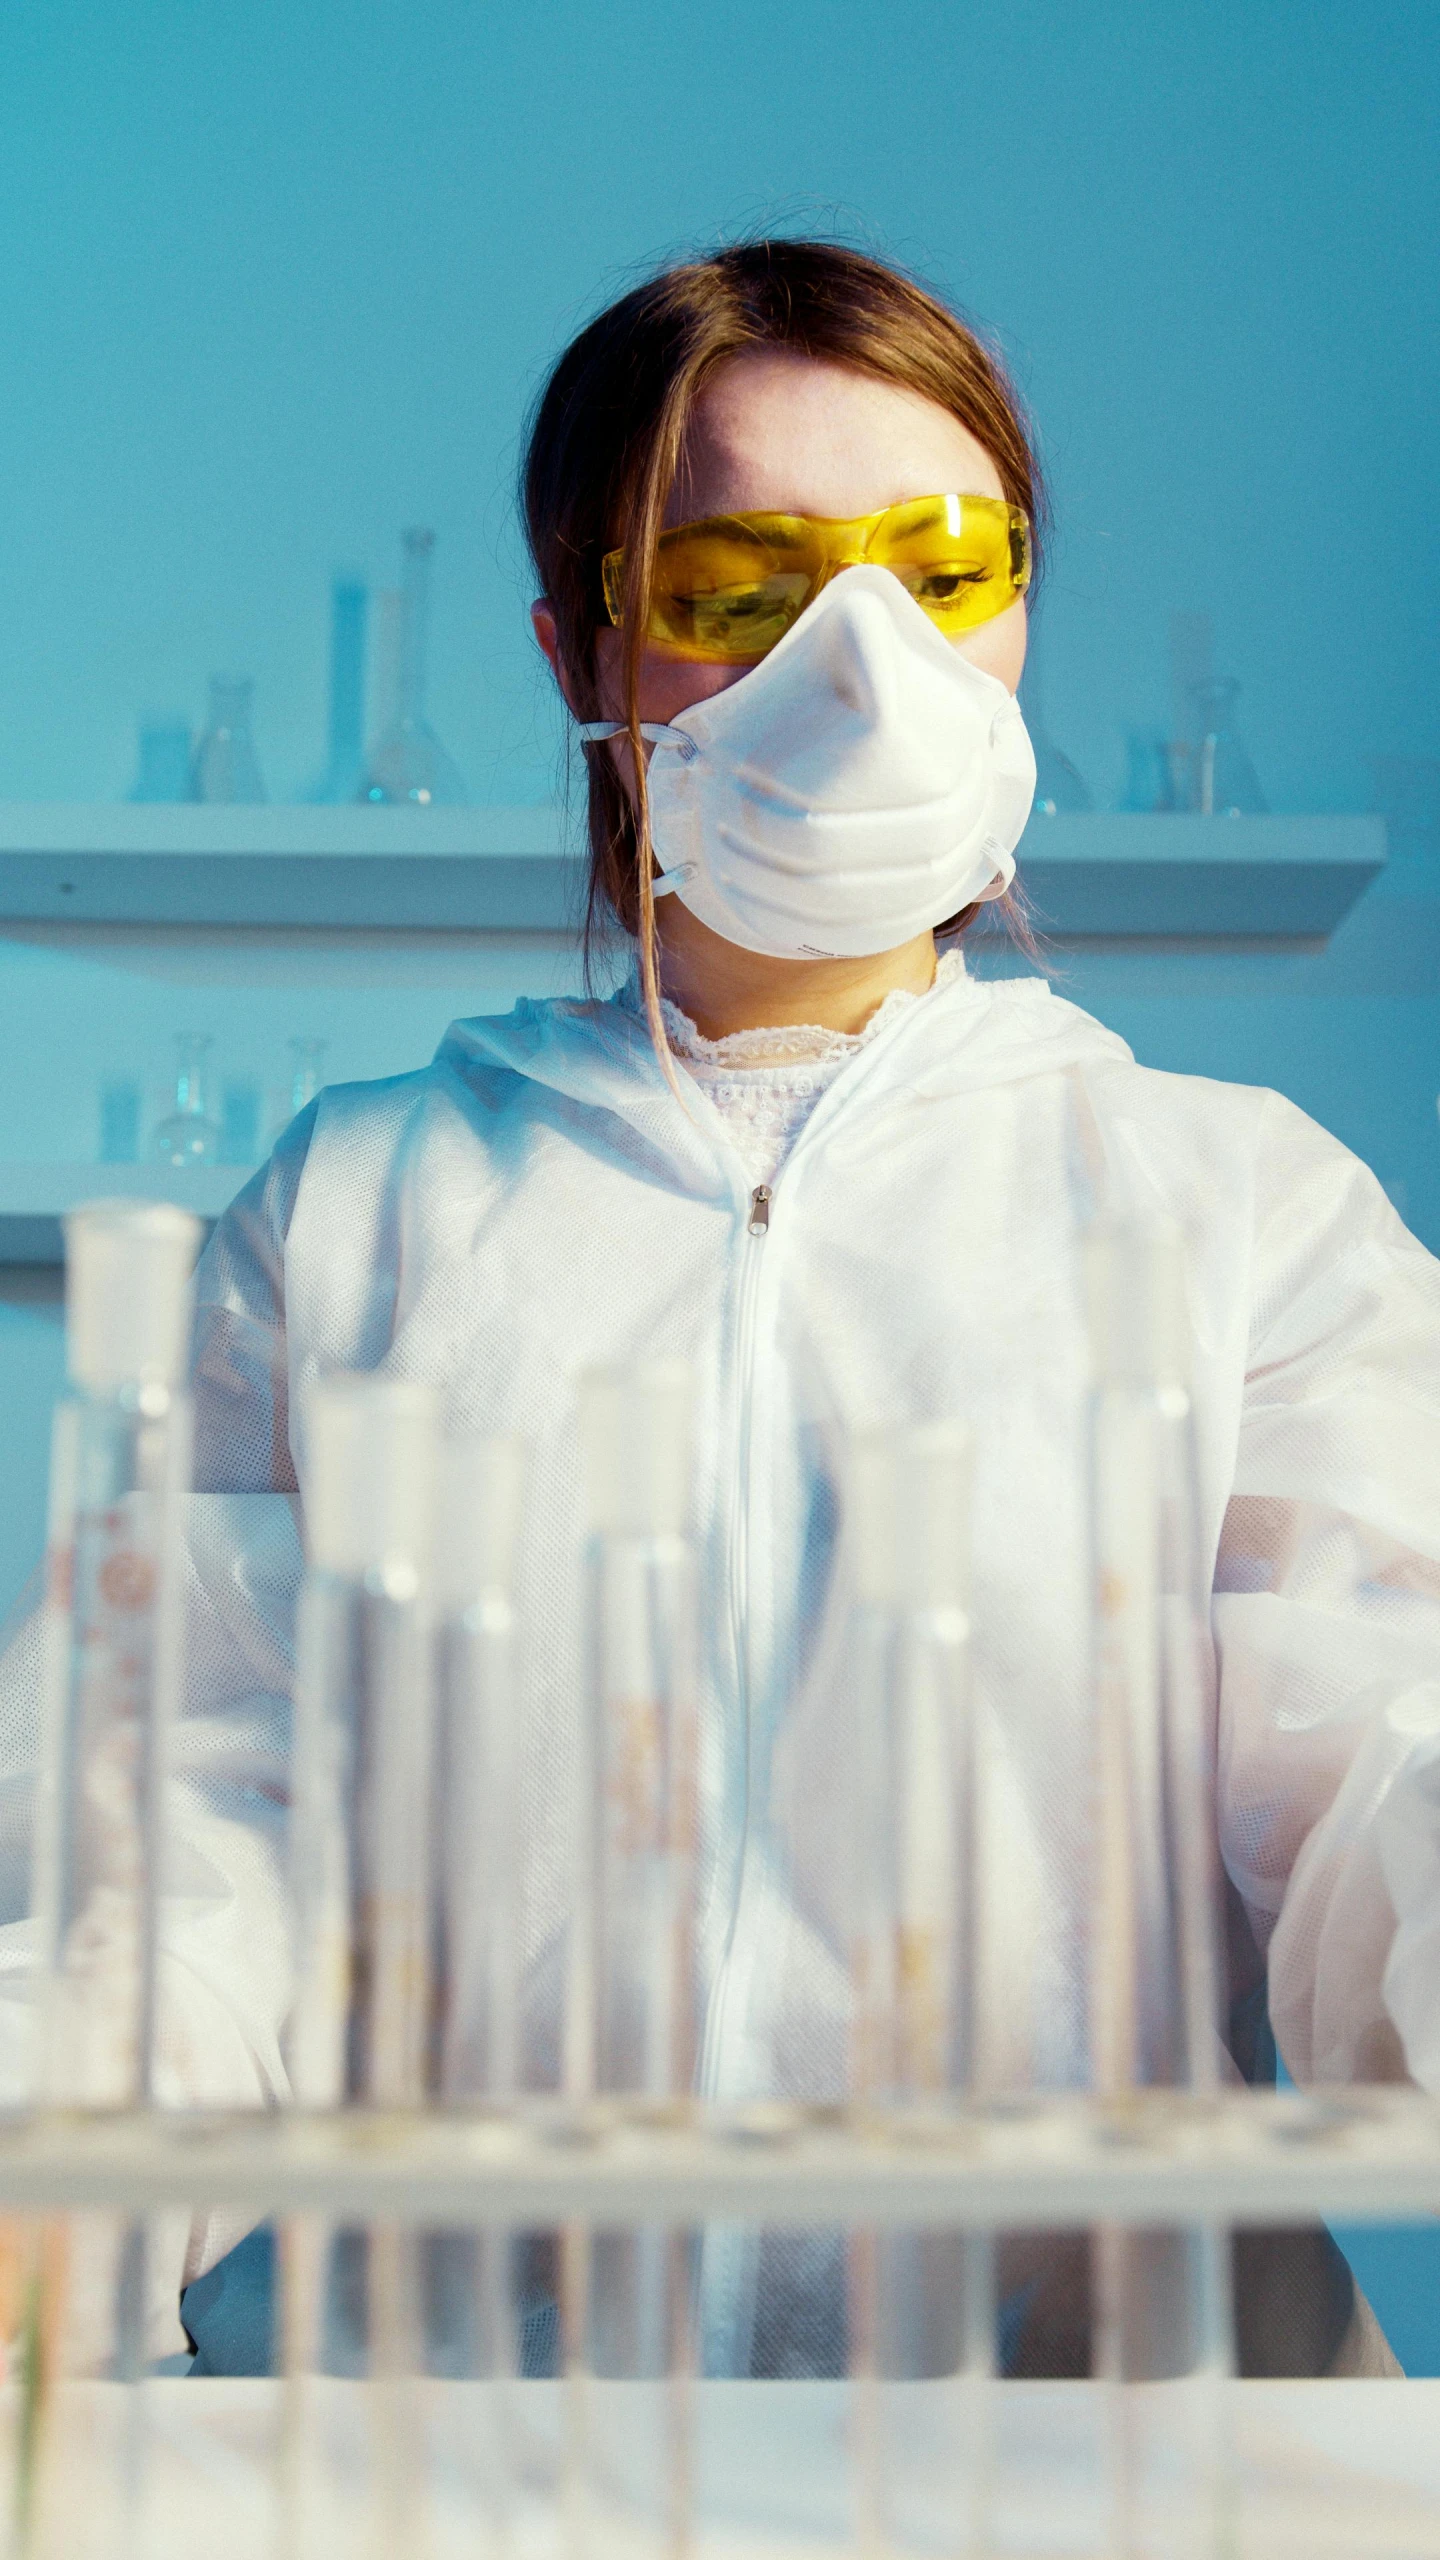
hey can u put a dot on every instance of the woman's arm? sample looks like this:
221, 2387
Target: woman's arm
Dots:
1327, 1618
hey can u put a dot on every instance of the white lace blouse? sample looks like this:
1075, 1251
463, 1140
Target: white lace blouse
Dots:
765, 1083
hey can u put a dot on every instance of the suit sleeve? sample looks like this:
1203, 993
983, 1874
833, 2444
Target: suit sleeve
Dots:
1327, 1619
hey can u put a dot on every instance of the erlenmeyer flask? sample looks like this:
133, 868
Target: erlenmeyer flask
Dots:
409, 763
1225, 784
188, 1134
226, 768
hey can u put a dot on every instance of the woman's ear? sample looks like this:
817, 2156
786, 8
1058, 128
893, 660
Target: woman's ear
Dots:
543, 624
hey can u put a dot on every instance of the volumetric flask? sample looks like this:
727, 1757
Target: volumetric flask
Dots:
408, 764
189, 1134
226, 767
1224, 779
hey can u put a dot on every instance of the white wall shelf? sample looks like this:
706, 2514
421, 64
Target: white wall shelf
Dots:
35, 1197
1106, 877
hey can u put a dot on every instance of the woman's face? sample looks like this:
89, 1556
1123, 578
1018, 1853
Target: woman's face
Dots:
789, 434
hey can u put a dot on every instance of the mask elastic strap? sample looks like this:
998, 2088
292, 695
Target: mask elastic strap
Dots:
660, 734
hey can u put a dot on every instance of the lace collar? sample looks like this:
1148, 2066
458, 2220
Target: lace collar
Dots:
787, 1043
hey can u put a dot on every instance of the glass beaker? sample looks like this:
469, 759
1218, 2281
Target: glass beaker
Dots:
226, 768
344, 764
189, 1135
1225, 783
408, 764
166, 749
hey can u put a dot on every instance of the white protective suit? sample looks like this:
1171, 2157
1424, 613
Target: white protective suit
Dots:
538, 1200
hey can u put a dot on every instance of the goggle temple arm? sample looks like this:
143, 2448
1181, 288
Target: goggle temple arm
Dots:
659, 732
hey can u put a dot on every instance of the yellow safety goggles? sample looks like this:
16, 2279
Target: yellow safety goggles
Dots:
731, 586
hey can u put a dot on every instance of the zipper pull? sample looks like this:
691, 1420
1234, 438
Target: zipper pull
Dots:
760, 1209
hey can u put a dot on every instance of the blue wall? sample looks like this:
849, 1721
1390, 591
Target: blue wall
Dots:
279, 279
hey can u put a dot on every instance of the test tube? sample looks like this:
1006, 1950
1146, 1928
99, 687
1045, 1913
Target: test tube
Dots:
921, 2303
120, 1470
359, 2028
477, 1797
1163, 2298
630, 2024
478, 1771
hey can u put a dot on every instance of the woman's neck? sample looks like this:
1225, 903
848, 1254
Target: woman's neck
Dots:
725, 989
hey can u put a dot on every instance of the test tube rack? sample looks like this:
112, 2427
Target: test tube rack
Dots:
1037, 2162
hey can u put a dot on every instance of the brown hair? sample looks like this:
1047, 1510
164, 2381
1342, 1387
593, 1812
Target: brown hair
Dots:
605, 442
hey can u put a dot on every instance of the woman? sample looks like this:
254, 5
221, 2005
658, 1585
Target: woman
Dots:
844, 1181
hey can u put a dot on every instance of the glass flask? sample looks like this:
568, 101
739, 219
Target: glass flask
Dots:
189, 1135
1224, 783
408, 763
226, 768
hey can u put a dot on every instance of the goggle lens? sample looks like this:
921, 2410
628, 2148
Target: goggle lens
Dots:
731, 586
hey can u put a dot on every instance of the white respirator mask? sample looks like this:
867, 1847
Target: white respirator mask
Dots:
854, 789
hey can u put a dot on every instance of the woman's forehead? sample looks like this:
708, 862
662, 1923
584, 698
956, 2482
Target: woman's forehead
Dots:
795, 434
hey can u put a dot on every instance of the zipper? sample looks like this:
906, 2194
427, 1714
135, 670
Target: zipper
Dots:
757, 1228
